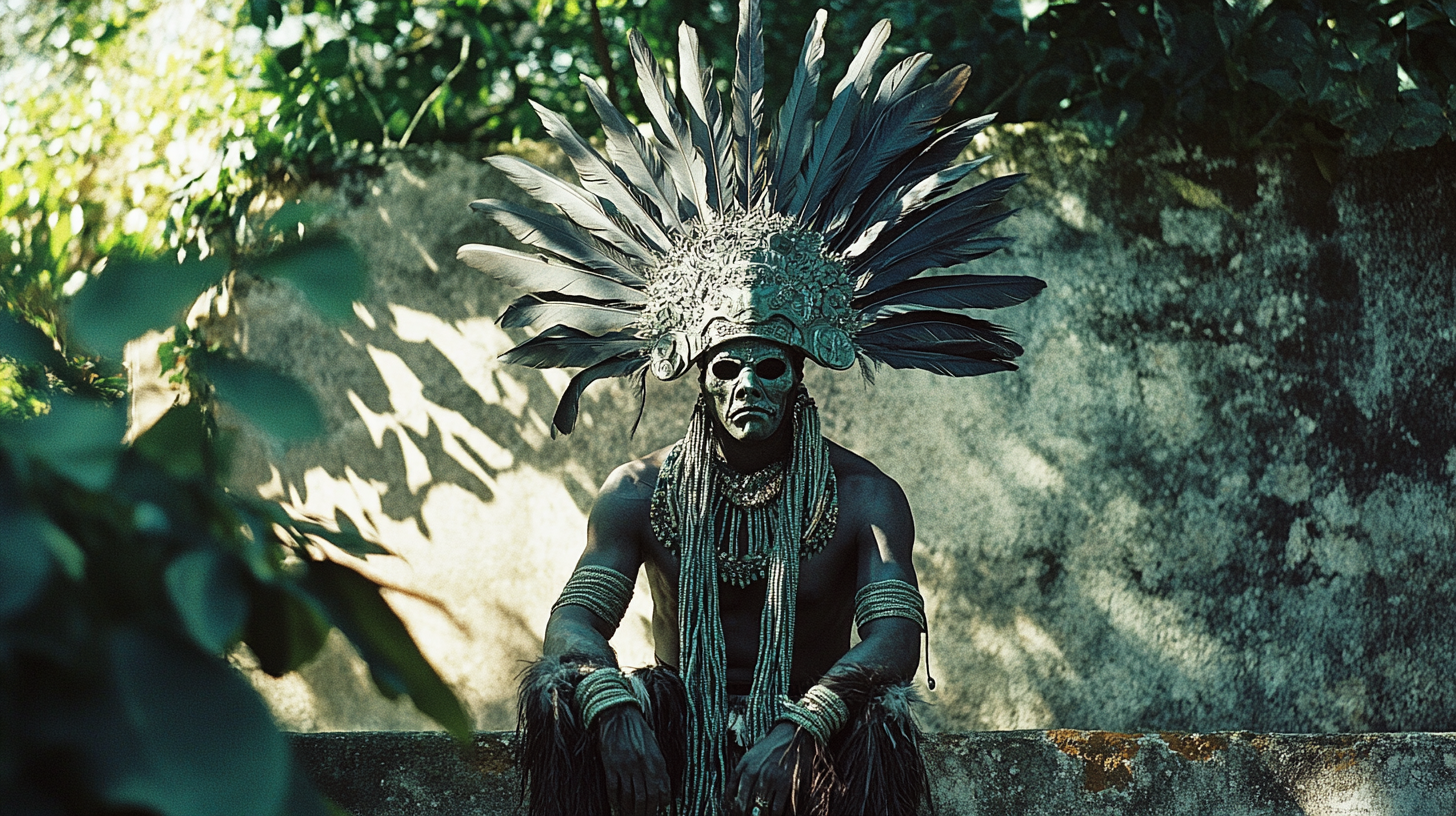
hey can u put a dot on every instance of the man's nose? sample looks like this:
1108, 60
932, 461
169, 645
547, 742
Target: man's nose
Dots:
749, 382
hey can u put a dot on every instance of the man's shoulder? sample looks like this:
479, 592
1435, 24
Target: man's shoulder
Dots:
635, 480
859, 477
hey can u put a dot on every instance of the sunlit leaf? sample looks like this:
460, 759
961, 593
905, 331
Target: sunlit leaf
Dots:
278, 404
194, 738
284, 629
376, 631
81, 440
207, 588
134, 296
326, 268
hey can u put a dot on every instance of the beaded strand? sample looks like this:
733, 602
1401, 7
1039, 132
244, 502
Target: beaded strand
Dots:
600, 590
820, 711
600, 690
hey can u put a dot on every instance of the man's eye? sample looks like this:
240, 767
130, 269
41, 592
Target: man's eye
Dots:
726, 369
771, 369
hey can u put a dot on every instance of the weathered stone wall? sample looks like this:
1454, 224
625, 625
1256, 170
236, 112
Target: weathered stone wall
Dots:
1218, 495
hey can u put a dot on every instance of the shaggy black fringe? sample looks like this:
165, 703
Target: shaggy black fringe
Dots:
878, 768
561, 765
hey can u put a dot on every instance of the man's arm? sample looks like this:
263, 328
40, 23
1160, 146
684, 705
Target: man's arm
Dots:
889, 648
637, 779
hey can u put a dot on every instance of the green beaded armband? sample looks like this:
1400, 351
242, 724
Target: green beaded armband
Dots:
601, 590
820, 711
600, 690
889, 599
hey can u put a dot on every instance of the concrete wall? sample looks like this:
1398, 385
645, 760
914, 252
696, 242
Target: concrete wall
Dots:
1020, 773
1218, 495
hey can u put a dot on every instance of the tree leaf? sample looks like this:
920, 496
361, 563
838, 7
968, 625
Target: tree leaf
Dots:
176, 441
24, 561
133, 296
207, 589
79, 439
285, 628
189, 737
276, 403
358, 609
332, 60
25, 343
325, 267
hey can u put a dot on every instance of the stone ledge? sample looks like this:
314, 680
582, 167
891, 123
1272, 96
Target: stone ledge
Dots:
994, 773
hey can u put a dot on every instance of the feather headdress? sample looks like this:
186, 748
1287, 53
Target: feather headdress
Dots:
704, 230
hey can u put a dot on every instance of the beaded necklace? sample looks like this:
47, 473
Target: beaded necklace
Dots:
701, 510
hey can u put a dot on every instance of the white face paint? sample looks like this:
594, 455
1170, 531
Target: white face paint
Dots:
749, 382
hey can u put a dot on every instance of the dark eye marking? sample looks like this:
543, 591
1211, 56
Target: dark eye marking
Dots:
771, 369
727, 369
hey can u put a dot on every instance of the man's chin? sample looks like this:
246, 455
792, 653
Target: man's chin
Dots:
753, 429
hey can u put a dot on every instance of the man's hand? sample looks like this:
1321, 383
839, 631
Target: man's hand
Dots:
768, 776
637, 782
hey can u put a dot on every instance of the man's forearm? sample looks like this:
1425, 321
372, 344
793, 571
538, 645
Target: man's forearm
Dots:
571, 633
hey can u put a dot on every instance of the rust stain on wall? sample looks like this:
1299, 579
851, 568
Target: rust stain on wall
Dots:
1194, 747
1106, 755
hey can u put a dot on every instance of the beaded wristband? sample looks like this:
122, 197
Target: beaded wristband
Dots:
889, 599
600, 690
600, 590
820, 711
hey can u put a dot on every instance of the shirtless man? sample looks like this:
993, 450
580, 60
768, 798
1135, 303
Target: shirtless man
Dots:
749, 384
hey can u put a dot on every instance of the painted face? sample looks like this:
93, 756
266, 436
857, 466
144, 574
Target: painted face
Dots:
749, 382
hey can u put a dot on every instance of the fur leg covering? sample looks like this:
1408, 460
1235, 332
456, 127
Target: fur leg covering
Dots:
559, 758
878, 768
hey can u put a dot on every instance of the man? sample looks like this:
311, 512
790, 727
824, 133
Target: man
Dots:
704, 246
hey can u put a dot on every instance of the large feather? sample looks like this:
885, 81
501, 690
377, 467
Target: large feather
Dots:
704, 115
748, 102
559, 237
940, 332
896, 83
833, 133
575, 203
637, 159
597, 178
938, 363
912, 168
796, 118
592, 318
902, 125
686, 165
942, 234
953, 292
567, 347
892, 210
535, 273
566, 411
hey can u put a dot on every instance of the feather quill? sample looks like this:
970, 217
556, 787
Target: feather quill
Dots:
597, 177
560, 237
568, 347
575, 203
796, 117
564, 420
535, 273
683, 161
638, 161
592, 318
952, 292
834, 131
748, 103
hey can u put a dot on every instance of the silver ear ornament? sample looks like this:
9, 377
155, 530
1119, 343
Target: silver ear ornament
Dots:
816, 237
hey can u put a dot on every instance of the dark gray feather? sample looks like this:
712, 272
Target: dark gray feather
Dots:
596, 177
592, 318
635, 157
832, 134
748, 102
942, 364
560, 237
953, 292
796, 117
704, 117
566, 347
582, 208
564, 420
535, 273
940, 332
890, 211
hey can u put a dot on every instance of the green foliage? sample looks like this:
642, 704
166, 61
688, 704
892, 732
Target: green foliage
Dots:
131, 573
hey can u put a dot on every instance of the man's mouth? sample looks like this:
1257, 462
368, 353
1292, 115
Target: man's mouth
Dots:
744, 414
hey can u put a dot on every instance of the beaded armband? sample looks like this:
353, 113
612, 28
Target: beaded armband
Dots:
600, 590
820, 711
889, 599
600, 690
